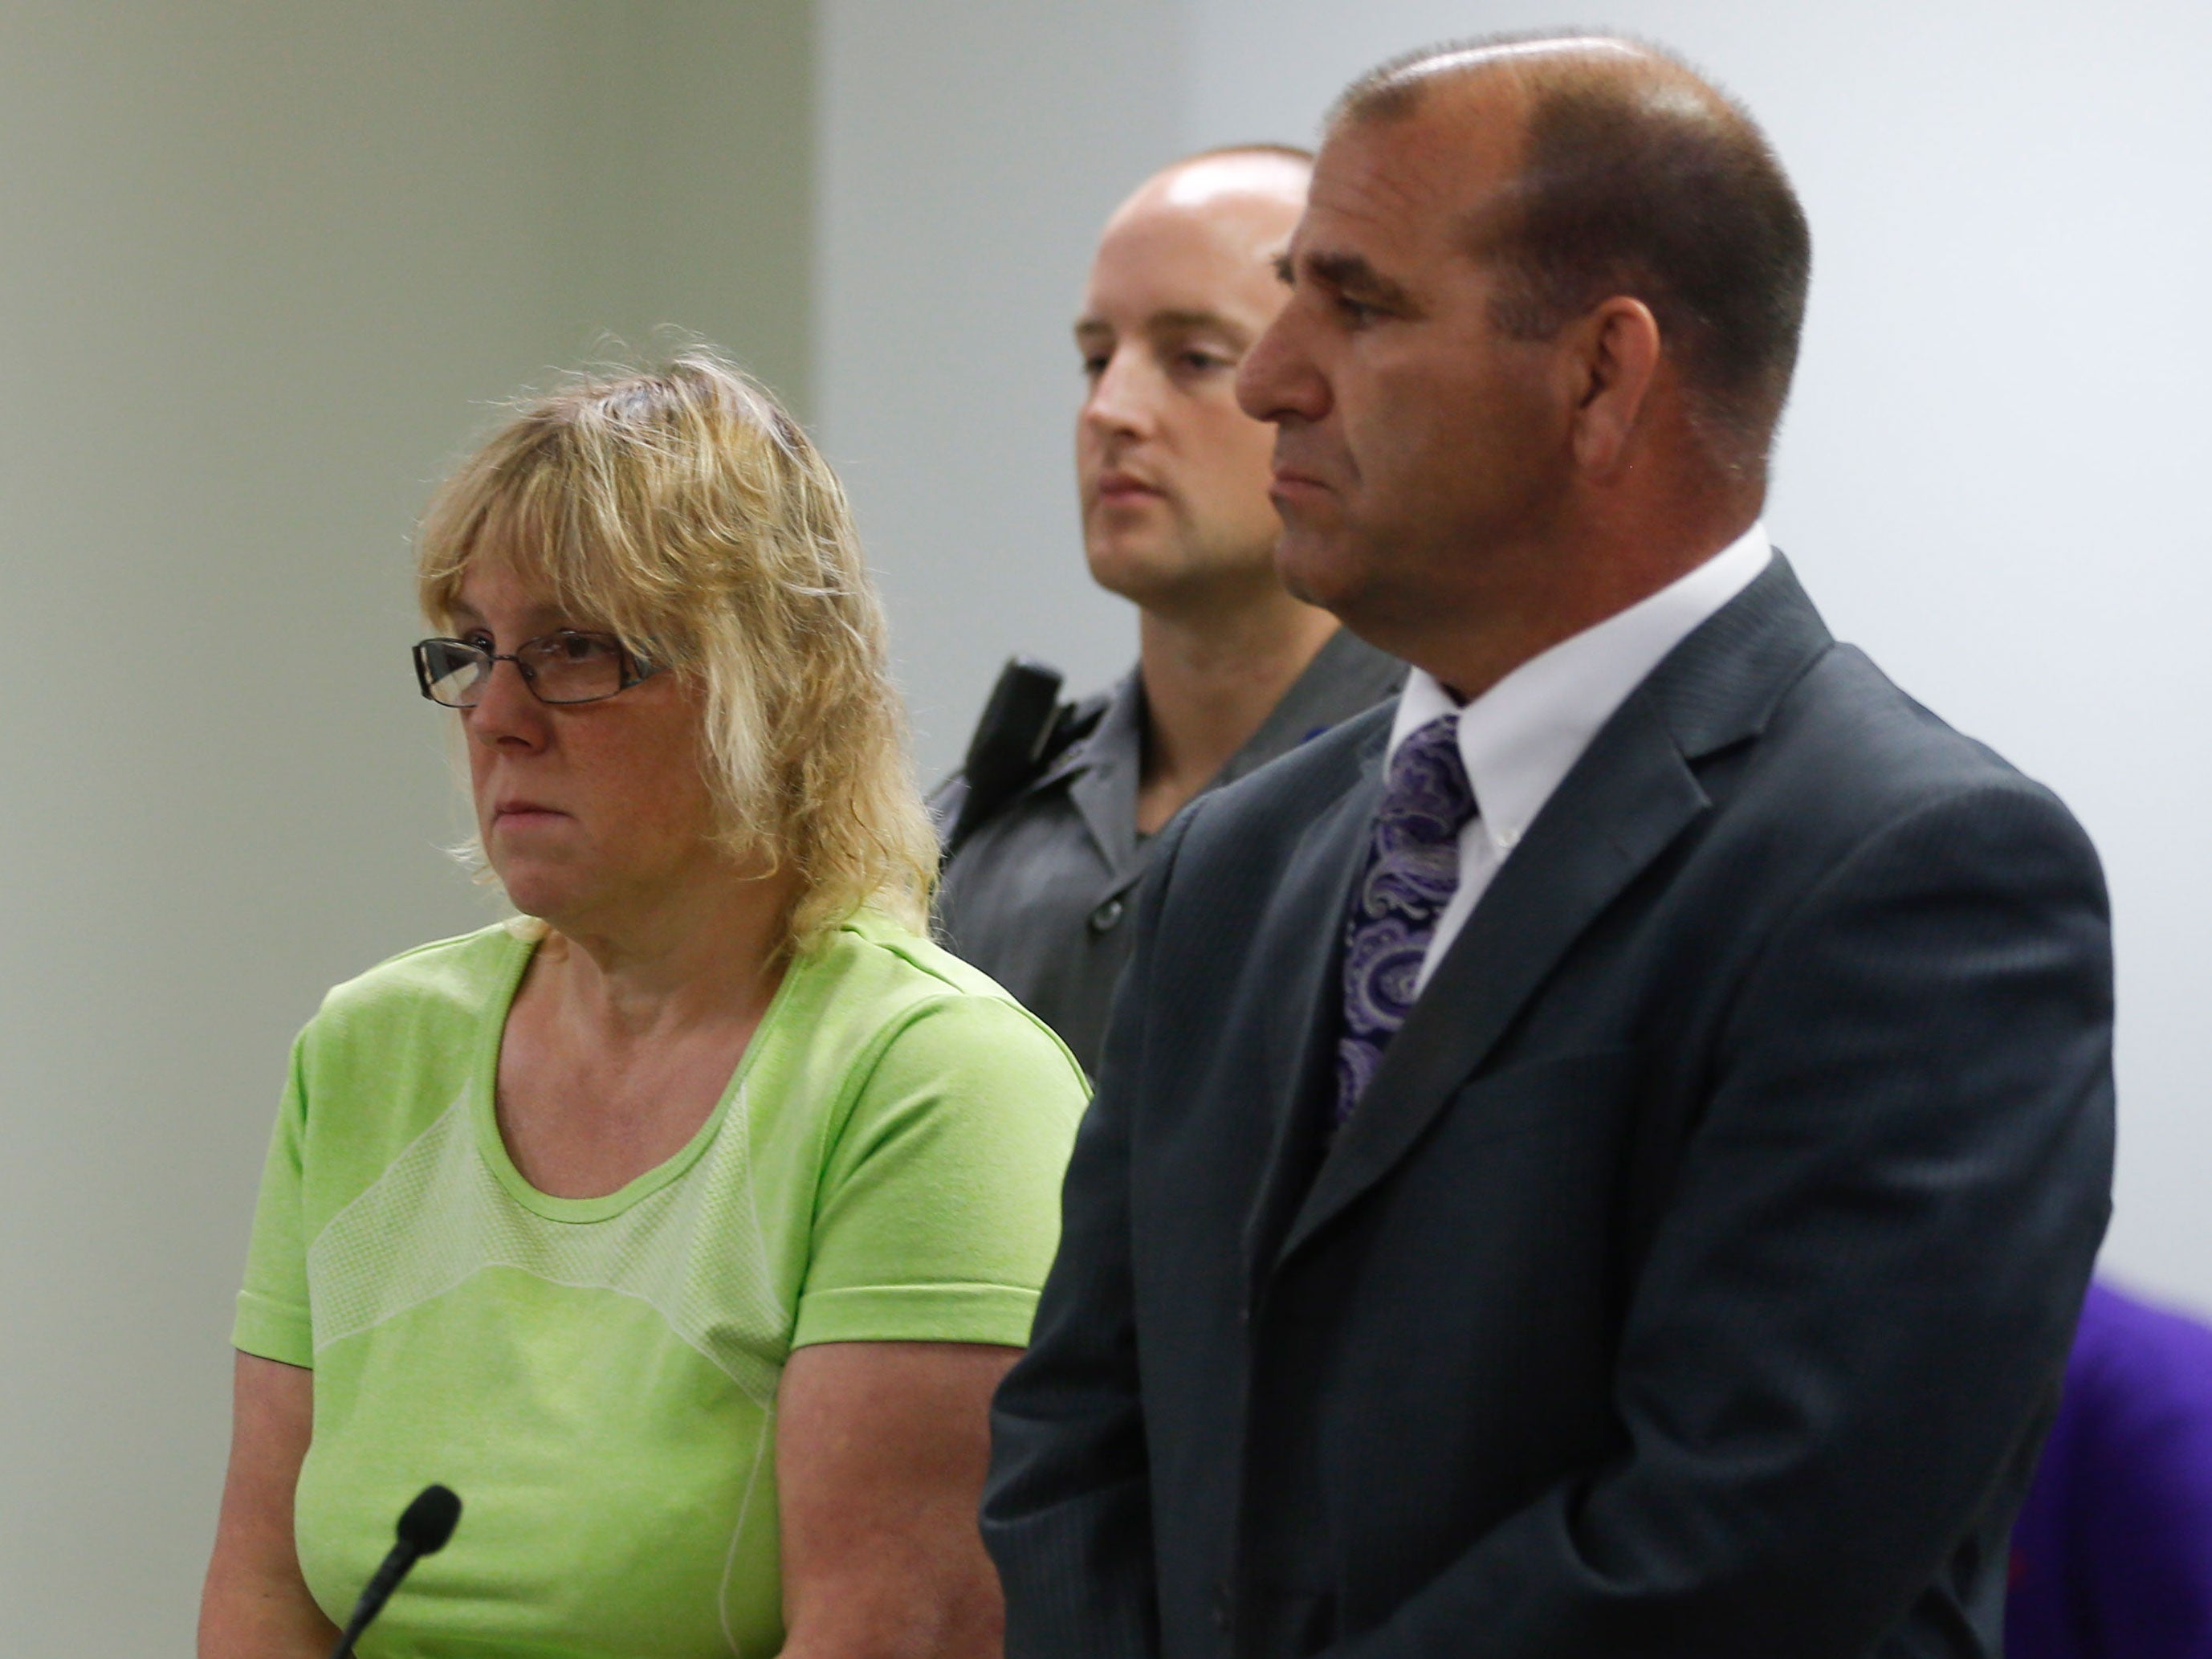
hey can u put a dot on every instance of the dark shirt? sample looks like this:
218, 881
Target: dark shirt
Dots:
2112, 1555
1036, 898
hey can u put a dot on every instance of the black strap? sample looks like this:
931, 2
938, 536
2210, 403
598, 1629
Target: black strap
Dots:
1024, 729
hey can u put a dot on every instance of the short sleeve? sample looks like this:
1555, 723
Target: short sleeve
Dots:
938, 1207
272, 1306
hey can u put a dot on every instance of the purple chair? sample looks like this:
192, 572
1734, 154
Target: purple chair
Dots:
2112, 1554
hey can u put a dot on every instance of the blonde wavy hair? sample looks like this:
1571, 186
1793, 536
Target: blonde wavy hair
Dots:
682, 510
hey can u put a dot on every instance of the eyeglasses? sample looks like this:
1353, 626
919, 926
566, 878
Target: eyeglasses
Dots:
558, 668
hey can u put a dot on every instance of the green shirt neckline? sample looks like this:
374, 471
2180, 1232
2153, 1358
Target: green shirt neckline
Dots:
483, 1109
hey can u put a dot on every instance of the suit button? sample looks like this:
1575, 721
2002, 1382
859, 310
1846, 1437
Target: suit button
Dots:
1106, 916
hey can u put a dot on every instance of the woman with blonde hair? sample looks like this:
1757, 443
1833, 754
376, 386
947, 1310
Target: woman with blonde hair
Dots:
683, 1224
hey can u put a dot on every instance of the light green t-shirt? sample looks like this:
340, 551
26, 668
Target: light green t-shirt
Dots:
597, 1377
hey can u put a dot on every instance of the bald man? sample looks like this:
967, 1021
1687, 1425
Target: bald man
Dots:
1603, 1157
1172, 476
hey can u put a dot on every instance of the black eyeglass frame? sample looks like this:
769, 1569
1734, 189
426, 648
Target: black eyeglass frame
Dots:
636, 669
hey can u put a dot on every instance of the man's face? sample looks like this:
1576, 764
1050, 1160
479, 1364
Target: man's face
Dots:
1419, 451
1173, 475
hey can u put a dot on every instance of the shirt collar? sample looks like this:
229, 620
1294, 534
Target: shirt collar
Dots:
1522, 736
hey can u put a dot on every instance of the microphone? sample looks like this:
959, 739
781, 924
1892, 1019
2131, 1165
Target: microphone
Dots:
424, 1526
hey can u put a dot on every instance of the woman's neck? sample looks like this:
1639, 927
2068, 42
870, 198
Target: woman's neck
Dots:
626, 1027
699, 953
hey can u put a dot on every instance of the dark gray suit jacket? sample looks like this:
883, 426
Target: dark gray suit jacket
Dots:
1693, 1279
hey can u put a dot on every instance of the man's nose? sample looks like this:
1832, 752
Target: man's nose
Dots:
1121, 398
1277, 379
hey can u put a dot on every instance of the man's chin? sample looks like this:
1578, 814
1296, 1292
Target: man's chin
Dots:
1130, 566
1319, 570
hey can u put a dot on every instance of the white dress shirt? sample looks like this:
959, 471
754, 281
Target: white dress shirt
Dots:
1523, 735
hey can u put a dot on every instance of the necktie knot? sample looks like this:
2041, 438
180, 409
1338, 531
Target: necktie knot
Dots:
1427, 798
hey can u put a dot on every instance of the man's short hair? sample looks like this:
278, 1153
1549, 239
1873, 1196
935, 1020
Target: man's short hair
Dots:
1638, 177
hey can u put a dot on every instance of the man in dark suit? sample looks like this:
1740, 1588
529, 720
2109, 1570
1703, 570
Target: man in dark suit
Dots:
1605, 1157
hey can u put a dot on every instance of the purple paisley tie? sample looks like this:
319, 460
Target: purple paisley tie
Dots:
1412, 870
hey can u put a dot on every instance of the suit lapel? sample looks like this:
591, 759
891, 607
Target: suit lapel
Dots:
1625, 801
1304, 931
1619, 809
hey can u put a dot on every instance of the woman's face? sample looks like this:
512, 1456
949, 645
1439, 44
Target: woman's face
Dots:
590, 812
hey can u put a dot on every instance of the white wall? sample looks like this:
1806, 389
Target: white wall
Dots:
265, 266
970, 151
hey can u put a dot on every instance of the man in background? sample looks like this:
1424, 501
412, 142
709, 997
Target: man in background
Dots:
1604, 1157
1231, 670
